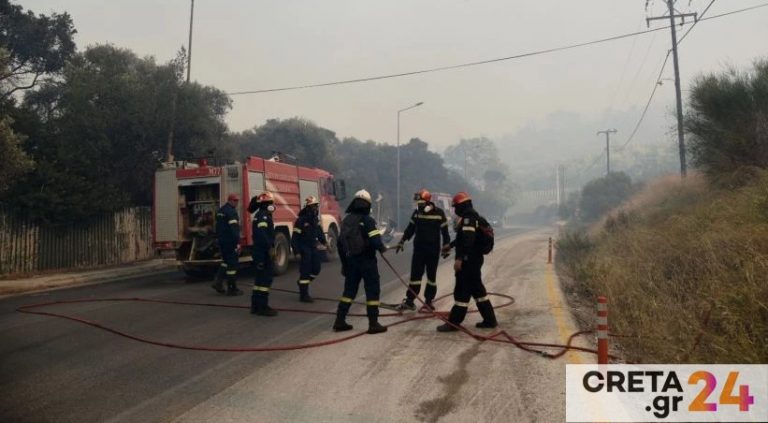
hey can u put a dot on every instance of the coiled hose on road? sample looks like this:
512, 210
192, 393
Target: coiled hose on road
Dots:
500, 336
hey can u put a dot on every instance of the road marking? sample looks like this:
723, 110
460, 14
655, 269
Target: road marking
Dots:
564, 327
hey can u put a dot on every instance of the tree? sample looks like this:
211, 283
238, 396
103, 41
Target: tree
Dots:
37, 45
601, 195
95, 133
13, 161
728, 118
308, 143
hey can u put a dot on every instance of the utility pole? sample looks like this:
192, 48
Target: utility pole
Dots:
672, 15
189, 52
607, 133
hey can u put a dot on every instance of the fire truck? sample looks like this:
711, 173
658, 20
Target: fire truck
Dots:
187, 196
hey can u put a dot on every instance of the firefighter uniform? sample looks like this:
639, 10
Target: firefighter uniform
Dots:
228, 234
469, 282
361, 266
428, 223
307, 233
263, 252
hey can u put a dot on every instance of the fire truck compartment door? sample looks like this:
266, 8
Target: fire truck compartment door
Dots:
166, 206
255, 184
307, 188
199, 181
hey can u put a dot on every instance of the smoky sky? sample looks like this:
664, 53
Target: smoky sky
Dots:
255, 44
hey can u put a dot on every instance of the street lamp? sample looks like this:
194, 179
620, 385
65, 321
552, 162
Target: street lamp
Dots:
397, 212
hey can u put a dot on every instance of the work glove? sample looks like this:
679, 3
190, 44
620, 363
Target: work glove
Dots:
399, 247
446, 250
272, 253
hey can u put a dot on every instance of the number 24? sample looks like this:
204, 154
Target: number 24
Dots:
743, 400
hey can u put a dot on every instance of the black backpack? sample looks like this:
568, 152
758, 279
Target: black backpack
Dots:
351, 235
484, 236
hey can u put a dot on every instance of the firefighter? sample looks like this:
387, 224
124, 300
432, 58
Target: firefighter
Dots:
428, 223
307, 239
228, 233
263, 254
357, 246
467, 265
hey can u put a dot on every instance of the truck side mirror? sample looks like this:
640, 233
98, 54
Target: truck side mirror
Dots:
340, 189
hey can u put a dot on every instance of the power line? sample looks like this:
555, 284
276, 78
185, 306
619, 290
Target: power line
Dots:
697, 21
482, 62
648, 103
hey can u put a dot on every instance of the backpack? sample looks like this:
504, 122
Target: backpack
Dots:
484, 236
351, 236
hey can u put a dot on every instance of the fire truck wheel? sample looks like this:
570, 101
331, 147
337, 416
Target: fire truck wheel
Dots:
282, 252
333, 236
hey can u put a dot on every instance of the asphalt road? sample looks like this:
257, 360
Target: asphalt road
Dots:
57, 370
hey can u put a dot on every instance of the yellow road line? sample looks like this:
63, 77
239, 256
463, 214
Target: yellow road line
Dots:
564, 328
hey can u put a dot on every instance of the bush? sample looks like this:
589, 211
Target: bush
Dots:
602, 195
685, 272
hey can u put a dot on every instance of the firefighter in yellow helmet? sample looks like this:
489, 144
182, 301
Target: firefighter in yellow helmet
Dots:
307, 238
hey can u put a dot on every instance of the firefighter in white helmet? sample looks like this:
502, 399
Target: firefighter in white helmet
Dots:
307, 239
358, 243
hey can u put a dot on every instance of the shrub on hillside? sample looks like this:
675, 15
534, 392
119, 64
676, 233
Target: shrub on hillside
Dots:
601, 195
728, 118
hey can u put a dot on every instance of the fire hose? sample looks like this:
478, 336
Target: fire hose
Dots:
499, 336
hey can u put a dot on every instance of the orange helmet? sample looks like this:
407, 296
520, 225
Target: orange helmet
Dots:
460, 197
422, 195
311, 200
266, 197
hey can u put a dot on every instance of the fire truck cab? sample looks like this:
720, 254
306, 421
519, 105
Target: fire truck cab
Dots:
187, 196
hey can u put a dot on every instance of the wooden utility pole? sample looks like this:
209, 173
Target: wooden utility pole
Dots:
607, 133
672, 15
189, 46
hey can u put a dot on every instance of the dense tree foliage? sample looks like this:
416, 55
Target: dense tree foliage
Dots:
728, 117
36, 46
603, 194
97, 131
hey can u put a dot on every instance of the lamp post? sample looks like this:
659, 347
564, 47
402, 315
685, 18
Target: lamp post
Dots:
397, 211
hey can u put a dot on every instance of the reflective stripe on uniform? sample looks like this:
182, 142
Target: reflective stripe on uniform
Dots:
468, 228
233, 221
373, 233
481, 299
430, 216
261, 288
418, 283
372, 303
444, 224
231, 272
297, 230
262, 225
223, 264
220, 214
346, 300
304, 281
460, 304
433, 283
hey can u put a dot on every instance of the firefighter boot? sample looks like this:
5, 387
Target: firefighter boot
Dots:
455, 318
489, 316
341, 325
218, 282
232, 289
341, 314
304, 293
374, 326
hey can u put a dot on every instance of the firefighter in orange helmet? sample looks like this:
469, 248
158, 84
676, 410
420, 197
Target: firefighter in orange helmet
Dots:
307, 238
428, 224
468, 265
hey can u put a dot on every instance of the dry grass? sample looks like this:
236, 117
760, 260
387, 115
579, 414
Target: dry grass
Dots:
685, 268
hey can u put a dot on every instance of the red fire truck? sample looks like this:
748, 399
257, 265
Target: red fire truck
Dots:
187, 196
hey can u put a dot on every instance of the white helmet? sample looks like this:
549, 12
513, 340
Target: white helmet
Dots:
363, 194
